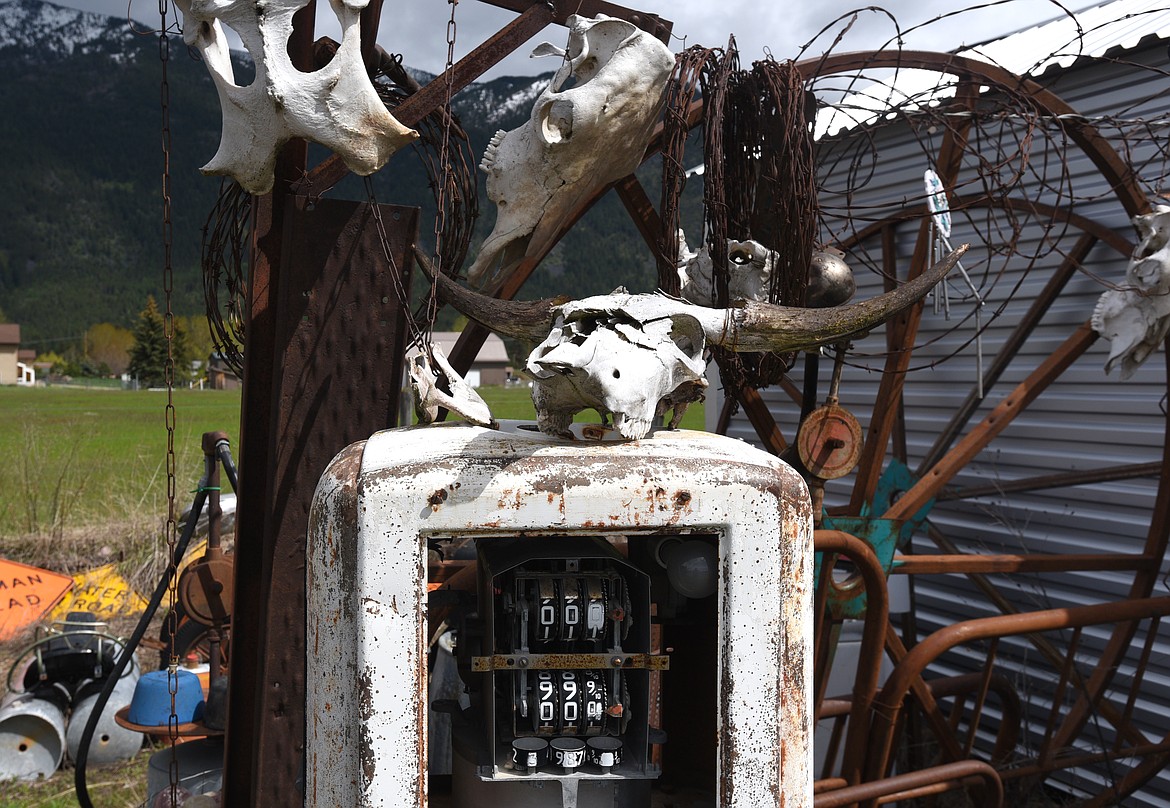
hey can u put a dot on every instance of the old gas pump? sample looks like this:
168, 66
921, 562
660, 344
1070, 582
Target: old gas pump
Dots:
580, 548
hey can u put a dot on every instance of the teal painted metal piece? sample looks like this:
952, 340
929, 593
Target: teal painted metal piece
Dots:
885, 536
847, 595
895, 480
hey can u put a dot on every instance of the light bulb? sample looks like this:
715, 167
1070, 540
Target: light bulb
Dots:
691, 566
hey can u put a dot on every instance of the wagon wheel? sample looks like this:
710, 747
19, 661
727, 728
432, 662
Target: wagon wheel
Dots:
917, 381
943, 458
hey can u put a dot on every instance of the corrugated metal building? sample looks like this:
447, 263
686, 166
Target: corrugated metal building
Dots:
1116, 77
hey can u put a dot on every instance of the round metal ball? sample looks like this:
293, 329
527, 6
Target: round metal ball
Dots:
830, 281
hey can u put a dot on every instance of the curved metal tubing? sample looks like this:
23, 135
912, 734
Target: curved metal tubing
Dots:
924, 782
888, 703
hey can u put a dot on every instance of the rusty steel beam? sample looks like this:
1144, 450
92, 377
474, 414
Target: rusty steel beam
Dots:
1116, 241
926, 701
839, 543
641, 210
535, 18
368, 21
563, 9
338, 333
902, 329
244, 756
992, 425
1143, 584
921, 783
1010, 348
969, 563
1044, 646
761, 419
1070, 479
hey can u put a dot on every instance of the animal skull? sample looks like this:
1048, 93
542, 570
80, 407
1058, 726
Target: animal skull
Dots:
1136, 319
750, 276
617, 365
335, 105
750, 264
655, 343
587, 129
428, 398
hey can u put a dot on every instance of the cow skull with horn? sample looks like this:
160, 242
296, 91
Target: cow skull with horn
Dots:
633, 356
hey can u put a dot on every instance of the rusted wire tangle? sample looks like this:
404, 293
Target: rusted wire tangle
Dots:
225, 272
758, 182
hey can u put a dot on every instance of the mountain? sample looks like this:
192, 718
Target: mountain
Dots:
81, 234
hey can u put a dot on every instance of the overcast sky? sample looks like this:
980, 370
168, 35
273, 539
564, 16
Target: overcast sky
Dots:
417, 28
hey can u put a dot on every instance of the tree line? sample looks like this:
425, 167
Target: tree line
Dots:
107, 350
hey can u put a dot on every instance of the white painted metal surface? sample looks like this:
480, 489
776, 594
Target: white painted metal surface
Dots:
381, 500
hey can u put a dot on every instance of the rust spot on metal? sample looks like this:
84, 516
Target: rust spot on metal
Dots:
553, 485
681, 499
365, 741
437, 498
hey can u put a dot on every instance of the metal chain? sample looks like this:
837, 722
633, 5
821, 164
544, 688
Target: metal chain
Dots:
446, 176
417, 335
164, 52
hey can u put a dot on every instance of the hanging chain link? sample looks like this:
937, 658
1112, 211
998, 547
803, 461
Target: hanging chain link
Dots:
420, 335
164, 53
446, 175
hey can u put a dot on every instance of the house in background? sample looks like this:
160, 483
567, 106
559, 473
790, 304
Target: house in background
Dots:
220, 376
491, 367
25, 357
12, 369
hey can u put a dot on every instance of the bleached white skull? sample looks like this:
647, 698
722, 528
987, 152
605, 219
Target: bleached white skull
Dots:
335, 105
750, 266
615, 364
428, 397
587, 129
1136, 318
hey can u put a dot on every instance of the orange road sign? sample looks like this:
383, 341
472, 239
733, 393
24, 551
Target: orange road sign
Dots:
26, 593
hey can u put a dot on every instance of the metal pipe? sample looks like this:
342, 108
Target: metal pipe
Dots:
872, 636
919, 783
888, 703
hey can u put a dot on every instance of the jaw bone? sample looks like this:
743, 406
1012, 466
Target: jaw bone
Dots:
587, 129
335, 106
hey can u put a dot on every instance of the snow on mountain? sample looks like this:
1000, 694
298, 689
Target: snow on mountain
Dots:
49, 31
39, 31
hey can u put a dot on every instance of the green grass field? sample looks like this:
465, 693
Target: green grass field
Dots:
75, 456
84, 455
84, 481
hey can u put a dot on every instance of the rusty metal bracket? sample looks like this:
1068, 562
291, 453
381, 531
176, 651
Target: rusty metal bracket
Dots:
569, 662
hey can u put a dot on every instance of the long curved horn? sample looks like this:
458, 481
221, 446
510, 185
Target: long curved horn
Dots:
526, 320
765, 327
750, 327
